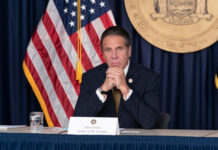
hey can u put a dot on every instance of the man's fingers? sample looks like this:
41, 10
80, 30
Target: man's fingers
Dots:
114, 76
114, 73
114, 70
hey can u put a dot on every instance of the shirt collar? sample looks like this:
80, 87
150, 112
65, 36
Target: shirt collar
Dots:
126, 68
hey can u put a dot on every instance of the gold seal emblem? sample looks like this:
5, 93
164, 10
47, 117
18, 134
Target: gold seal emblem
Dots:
175, 25
93, 121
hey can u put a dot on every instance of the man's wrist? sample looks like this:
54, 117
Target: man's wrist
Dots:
128, 95
104, 93
104, 89
124, 90
102, 97
125, 94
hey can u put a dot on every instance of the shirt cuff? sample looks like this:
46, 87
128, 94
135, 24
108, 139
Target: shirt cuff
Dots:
128, 95
101, 97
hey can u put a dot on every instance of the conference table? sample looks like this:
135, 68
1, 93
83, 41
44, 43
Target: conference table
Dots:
129, 139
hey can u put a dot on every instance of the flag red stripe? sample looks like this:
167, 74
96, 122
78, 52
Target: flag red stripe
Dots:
41, 88
95, 41
87, 64
60, 51
52, 75
106, 20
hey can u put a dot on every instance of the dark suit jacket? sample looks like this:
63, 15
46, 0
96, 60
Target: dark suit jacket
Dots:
139, 111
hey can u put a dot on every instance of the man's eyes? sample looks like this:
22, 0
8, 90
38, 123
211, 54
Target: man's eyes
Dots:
120, 48
110, 50
107, 50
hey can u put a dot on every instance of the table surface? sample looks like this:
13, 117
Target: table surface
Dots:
23, 138
151, 132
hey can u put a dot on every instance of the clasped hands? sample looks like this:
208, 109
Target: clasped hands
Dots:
115, 77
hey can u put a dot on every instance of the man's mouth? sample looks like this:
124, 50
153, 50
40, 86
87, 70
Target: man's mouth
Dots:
115, 64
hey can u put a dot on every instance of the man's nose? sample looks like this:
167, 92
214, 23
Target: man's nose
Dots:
114, 54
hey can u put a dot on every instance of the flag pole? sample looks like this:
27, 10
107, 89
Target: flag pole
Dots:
79, 49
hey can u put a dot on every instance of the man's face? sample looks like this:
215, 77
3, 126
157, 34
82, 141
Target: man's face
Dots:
116, 53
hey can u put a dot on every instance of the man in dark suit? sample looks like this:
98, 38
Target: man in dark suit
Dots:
120, 88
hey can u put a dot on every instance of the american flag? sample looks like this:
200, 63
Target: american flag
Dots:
50, 60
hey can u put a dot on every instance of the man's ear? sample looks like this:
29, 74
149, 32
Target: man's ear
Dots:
129, 51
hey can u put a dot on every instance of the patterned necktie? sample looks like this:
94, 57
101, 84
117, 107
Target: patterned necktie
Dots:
117, 97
